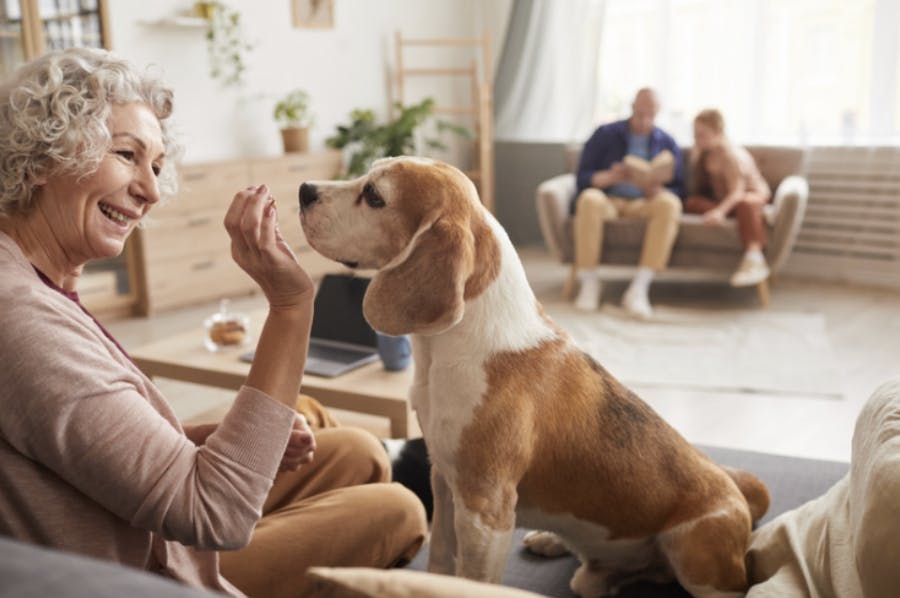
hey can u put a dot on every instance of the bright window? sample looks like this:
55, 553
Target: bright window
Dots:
781, 71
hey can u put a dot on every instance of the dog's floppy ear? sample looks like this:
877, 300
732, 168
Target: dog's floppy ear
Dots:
424, 294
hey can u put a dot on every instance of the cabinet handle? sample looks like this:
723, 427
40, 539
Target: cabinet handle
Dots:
195, 176
203, 265
199, 221
298, 167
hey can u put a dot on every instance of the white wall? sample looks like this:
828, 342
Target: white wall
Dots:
342, 68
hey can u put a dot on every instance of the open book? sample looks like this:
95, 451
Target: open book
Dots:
657, 171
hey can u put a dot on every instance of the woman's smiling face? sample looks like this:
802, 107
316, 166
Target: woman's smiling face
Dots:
91, 216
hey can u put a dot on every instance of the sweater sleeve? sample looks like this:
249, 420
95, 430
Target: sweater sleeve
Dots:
68, 403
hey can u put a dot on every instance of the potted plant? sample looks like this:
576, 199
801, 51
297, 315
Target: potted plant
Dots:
293, 115
364, 140
226, 45
204, 10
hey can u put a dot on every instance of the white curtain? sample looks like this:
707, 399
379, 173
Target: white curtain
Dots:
545, 88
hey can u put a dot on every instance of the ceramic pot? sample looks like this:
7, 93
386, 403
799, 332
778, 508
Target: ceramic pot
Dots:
295, 139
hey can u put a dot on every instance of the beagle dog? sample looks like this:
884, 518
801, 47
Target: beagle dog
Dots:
524, 428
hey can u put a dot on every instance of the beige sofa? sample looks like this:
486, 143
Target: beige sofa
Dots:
701, 252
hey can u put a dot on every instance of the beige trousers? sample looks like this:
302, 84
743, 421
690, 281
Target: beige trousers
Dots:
593, 208
337, 511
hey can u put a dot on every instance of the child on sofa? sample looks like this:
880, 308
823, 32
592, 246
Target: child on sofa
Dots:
727, 182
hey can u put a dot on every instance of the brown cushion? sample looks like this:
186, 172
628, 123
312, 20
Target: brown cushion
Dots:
361, 582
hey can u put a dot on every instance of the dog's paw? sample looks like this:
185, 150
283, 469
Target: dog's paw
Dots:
545, 544
591, 583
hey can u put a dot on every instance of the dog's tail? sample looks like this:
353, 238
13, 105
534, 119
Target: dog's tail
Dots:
753, 489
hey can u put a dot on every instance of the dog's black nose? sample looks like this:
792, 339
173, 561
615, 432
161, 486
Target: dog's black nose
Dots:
308, 195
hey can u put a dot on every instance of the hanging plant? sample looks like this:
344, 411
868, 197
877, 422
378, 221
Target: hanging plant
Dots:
226, 44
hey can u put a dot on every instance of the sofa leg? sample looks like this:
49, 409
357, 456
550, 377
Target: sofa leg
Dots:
763, 290
569, 288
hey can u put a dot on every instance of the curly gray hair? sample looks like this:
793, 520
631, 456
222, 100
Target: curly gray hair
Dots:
53, 119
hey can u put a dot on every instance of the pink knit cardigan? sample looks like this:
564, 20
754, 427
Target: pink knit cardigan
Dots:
94, 461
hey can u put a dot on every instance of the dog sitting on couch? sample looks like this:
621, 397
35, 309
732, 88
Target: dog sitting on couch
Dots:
522, 427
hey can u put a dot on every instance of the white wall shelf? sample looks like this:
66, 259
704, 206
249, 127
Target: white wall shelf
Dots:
180, 21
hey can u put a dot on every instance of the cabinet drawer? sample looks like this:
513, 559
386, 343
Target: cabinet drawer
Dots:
208, 185
171, 236
202, 277
320, 165
284, 175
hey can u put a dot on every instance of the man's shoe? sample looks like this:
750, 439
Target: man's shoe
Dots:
637, 305
588, 298
750, 273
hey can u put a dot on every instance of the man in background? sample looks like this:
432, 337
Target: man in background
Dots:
605, 192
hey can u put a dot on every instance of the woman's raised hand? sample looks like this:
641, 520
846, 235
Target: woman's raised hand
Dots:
259, 249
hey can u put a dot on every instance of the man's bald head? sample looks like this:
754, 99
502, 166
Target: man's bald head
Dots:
643, 111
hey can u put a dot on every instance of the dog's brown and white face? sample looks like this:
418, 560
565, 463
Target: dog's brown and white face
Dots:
419, 223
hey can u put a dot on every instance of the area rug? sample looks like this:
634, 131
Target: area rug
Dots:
735, 350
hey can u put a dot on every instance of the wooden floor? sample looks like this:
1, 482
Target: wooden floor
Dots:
863, 327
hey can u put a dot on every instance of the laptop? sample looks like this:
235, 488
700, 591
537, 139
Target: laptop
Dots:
340, 340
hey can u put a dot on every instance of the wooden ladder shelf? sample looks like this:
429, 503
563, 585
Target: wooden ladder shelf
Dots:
480, 110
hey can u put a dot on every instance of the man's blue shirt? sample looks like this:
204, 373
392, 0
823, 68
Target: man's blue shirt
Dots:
609, 144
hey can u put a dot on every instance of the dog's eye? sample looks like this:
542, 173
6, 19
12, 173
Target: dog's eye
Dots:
371, 197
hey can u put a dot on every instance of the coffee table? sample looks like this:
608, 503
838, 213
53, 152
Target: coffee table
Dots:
369, 389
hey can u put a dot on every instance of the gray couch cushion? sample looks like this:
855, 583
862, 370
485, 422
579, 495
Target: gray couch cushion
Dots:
791, 482
29, 571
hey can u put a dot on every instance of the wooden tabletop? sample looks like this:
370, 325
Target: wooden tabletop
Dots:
368, 389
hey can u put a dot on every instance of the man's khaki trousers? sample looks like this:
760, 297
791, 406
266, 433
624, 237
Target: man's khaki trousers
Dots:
593, 208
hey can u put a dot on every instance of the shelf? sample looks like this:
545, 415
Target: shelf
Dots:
181, 22
70, 16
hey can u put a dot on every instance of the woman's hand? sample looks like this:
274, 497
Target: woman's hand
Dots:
617, 173
300, 447
259, 249
612, 176
714, 217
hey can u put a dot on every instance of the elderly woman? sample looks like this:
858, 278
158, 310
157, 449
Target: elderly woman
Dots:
728, 183
92, 458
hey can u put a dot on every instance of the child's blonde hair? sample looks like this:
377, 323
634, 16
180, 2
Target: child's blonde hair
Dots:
712, 118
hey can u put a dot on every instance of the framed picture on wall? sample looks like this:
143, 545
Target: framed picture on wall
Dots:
313, 14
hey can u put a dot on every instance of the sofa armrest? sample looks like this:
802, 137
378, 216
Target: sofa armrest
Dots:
552, 201
785, 215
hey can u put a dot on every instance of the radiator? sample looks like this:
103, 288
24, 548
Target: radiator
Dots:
851, 231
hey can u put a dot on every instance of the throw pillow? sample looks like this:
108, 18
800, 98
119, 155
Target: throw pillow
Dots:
361, 582
843, 544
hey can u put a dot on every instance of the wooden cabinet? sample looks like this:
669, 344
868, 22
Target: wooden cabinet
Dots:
183, 252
